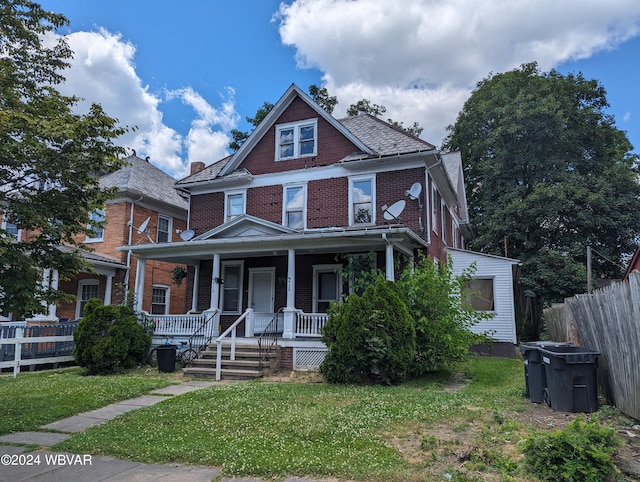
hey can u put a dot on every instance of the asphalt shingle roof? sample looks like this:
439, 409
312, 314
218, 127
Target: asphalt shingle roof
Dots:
142, 177
383, 138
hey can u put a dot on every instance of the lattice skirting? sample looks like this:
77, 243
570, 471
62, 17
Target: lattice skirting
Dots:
308, 358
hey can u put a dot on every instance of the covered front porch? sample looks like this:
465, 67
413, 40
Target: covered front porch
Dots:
257, 276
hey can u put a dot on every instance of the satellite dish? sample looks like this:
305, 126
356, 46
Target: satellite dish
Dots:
414, 191
393, 211
187, 235
143, 226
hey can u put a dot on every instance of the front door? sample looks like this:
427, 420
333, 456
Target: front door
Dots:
261, 296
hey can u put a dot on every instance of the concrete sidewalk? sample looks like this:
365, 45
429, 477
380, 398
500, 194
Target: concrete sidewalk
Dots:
16, 464
19, 465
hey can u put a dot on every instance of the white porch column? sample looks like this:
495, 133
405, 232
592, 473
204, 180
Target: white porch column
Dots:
389, 262
196, 287
107, 290
289, 322
215, 283
138, 292
54, 282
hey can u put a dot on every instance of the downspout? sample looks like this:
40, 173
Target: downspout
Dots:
130, 223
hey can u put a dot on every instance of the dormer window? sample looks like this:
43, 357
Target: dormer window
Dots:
298, 139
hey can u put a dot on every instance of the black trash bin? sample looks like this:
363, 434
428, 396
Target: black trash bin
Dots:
166, 358
534, 371
572, 383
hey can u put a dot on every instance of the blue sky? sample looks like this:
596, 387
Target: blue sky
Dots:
186, 73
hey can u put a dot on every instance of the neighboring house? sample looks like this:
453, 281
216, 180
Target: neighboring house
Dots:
634, 263
271, 225
145, 210
491, 289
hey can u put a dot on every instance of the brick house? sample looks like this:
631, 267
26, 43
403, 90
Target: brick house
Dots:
145, 210
272, 225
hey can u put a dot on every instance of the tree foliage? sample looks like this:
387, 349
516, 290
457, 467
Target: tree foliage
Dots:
443, 321
109, 339
365, 106
49, 159
240, 136
547, 173
322, 98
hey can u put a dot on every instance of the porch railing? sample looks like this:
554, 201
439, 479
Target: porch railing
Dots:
231, 331
204, 333
310, 324
171, 325
269, 337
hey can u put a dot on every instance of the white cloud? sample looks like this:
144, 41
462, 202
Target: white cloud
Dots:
422, 58
103, 71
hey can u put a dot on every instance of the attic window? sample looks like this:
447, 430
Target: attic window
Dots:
297, 139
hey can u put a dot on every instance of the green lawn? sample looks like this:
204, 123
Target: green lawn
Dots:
320, 430
35, 399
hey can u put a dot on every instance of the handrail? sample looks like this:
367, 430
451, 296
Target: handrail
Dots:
232, 330
268, 335
201, 337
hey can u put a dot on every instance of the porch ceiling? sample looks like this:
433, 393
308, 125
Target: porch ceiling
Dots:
305, 242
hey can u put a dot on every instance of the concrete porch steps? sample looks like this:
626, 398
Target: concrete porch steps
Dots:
246, 365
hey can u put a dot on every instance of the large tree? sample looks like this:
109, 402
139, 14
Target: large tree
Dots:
50, 157
547, 173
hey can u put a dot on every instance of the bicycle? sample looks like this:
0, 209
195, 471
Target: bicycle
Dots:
184, 355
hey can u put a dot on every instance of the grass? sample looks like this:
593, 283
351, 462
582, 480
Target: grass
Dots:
35, 399
415, 431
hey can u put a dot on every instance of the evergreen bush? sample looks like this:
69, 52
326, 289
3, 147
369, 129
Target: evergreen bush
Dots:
582, 451
370, 337
109, 339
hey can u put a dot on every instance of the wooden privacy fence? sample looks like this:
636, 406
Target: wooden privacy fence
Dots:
608, 321
24, 345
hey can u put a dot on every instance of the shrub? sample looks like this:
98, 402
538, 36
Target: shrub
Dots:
109, 339
371, 338
580, 452
442, 321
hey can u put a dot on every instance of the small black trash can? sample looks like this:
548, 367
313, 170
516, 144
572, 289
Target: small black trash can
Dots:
572, 383
534, 371
166, 358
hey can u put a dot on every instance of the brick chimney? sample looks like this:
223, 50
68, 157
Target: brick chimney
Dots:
196, 167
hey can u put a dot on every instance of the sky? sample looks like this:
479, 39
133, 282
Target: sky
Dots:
184, 74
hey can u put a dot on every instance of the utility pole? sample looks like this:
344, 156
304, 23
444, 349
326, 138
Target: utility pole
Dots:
589, 287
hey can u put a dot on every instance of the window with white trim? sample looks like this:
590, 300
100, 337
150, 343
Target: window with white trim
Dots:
362, 200
234, 204
11, 228
298, 139
294, 207
231, 287
97, 233
87, 289
164, 229
480, 294
159, 300
434, 209
327, 286
443, 222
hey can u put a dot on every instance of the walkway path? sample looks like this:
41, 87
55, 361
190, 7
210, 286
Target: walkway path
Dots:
50, 466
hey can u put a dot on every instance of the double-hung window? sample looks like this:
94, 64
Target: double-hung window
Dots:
11, 229
164, 229
87, 289
234, 205
232, 287
362, 200
159, 300
294, 207
96, 232
298, 139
